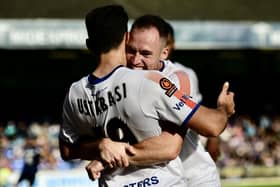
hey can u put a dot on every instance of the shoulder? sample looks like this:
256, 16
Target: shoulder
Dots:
77, 85
75, 89
153, 76
183, 67
143, 82
128, 74
186, 69
137, 77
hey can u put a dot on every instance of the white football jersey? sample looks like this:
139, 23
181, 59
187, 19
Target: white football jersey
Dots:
125, 106
199, 167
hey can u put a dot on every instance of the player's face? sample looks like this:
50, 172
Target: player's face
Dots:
145, 49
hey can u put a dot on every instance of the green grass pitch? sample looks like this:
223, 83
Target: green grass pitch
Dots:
252, 182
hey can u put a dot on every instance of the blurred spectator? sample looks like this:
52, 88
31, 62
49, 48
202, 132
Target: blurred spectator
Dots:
5, 169
31, 160
10, 130
246, 142
28, 148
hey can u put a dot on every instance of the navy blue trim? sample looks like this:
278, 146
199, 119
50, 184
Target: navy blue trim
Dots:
163, 66
185, 122
94, 80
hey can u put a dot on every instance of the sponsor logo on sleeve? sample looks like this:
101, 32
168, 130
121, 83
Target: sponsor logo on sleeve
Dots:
183, 100
167, 85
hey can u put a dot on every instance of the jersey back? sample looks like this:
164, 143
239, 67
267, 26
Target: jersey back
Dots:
126, 105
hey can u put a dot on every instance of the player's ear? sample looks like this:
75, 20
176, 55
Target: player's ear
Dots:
164, 53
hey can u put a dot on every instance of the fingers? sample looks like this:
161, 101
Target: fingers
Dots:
94, 169
118, 162
108, 159
117, 156
125, 162
122, 162
225, 87
226, 100
112, 164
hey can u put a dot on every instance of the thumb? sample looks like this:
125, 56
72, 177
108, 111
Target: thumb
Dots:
225, 87
130, 149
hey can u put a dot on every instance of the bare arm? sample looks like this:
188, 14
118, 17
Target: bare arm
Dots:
159, 149
213, 147
80, 150
206, 121
212, 122
154, 150
162, 148
112, 153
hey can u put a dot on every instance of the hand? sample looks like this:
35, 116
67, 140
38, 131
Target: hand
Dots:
226, 101
94, 169
114, 154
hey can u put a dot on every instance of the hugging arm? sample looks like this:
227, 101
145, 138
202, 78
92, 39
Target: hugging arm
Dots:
114, 154
206, 121
154, 150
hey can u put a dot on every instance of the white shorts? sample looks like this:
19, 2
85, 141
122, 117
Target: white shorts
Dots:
201, 171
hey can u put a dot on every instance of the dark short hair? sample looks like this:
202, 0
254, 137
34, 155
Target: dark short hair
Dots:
148, 21
106, 27
170, 31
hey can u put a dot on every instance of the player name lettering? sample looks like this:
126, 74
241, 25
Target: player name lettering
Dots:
154, 180
101, 102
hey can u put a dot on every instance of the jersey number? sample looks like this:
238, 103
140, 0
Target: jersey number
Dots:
117, 130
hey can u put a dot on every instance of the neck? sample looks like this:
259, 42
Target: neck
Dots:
110, 61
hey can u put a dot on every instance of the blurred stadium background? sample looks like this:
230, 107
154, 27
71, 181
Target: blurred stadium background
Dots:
42, 51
